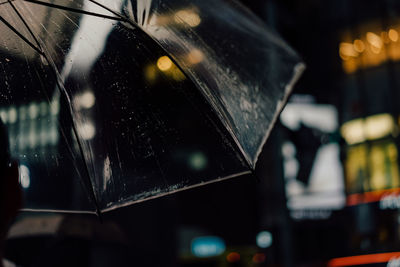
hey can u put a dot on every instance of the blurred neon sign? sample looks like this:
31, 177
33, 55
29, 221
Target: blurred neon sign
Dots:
207, 246
391, 258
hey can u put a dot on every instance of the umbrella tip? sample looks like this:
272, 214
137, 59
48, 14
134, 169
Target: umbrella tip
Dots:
99, 215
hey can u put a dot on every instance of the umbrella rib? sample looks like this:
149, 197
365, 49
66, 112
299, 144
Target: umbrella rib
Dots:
6, 2
91, 191
73, 126
110, 10
43, 54
135, 25
20, 35
25, 24
75, 10
39, 50
91, 187
121, 17
75, 131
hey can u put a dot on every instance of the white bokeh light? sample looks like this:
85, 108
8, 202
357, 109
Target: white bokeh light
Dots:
24, 176
264, 239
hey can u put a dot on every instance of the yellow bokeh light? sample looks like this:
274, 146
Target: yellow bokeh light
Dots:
374, 40
177, 74
350, 66
378, 126
356, 167
359, 45
195, 56
377, 168
393, 35
371, 128
353, 131
373, 47
164, 63
385, 37
344, 57
392, 153
375, 50
150, 73
188, 17
346, 50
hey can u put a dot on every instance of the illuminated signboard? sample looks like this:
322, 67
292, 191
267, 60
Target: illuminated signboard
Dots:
371, 164
312, 191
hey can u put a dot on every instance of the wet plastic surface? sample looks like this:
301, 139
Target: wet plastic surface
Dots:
112, 103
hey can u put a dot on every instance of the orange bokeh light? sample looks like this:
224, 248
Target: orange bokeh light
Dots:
259, 258
233, 257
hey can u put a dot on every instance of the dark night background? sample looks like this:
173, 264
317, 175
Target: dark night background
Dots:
158, 232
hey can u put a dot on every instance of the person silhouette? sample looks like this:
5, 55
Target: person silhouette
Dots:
10, 191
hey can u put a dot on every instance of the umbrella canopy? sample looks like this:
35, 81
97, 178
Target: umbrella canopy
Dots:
109, 103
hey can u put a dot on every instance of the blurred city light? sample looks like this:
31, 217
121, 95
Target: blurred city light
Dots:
87, 99
371, 128
323, 117
39, 128
177, 74
390, 201
53, 134
353, 131
371, 49
87, 130
3, 116
164, 63
207, 246
359, 45
378, 126
188, 17
394, 262
24, 176
372, 172
33, 111
375, 41
198, 161
347, 50
43, 109
364, 259
233, 257
393, 35
32, 136
385, 37
150, 72
322, 190
264, 239
22, 112
259, 258
55, 107
195, 56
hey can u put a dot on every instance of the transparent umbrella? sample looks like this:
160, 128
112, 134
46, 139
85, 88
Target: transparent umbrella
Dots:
109, 103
